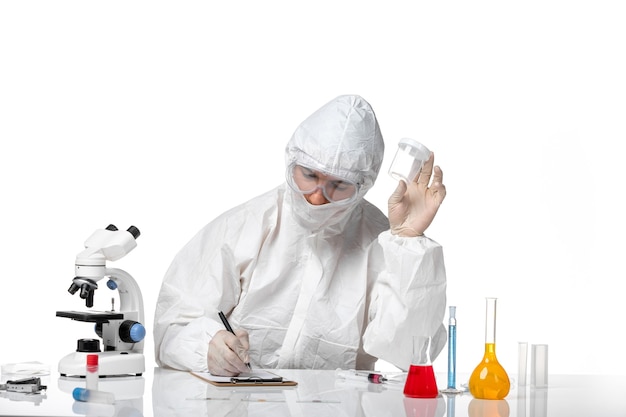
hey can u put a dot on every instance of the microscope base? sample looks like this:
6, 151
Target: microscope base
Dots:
113, 363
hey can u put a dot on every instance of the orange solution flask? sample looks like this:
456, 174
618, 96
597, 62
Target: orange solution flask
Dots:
489, 381
420, 381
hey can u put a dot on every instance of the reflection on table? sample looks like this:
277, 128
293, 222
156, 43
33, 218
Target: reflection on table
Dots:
163, 393
57, 399
320, 393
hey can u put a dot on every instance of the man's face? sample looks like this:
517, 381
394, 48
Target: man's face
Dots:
319, 188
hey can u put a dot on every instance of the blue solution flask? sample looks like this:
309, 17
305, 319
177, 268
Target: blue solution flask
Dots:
452, 348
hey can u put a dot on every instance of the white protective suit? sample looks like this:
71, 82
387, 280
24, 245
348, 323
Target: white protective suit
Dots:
315, 286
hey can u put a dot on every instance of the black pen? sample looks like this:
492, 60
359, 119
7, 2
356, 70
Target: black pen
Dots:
230, 329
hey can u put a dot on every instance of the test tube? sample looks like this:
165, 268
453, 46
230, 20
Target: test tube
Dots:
539, 366
93, 396
92, 374
522, 357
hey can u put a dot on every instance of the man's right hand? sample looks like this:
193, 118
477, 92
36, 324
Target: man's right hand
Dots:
228, 353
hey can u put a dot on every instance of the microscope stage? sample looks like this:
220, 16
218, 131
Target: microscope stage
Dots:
91, 316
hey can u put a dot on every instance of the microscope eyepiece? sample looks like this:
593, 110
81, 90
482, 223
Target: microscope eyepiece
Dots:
134, 231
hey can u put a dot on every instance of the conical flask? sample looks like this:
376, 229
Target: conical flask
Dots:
489, 381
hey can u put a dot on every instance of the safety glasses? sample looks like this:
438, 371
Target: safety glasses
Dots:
306, 180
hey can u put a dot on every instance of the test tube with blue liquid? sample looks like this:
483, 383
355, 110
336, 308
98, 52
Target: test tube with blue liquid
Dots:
452, 348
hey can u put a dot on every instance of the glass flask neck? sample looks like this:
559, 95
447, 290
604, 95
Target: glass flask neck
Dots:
490, 351
490, 322
421, 350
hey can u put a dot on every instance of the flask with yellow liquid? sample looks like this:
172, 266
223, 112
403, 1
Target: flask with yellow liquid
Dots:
489, 381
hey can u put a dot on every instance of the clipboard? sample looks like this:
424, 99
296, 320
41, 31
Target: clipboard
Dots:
260, 378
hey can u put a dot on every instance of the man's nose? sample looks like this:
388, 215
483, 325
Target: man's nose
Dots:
317, 197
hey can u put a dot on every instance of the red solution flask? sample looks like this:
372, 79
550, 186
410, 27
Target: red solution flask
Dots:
420, 381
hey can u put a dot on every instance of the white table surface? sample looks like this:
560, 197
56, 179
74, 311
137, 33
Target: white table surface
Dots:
160, 392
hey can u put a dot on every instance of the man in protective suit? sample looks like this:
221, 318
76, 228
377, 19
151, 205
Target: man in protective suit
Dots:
310, 273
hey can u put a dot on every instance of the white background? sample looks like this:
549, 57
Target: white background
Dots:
165, 114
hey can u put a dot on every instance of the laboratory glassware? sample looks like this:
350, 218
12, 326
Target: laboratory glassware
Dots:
489, 381
522, 361
421, 382
92, 375
452, 348
94, 396
408, 161
539, 366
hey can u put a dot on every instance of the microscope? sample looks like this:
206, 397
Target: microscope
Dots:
122, 332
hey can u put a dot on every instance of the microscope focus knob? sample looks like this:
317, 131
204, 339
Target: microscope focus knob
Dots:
132, 331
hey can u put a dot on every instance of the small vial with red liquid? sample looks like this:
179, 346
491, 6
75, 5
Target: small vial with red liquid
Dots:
420, 381
92, 375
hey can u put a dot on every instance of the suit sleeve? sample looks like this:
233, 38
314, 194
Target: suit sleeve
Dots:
408, 297
201, 281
